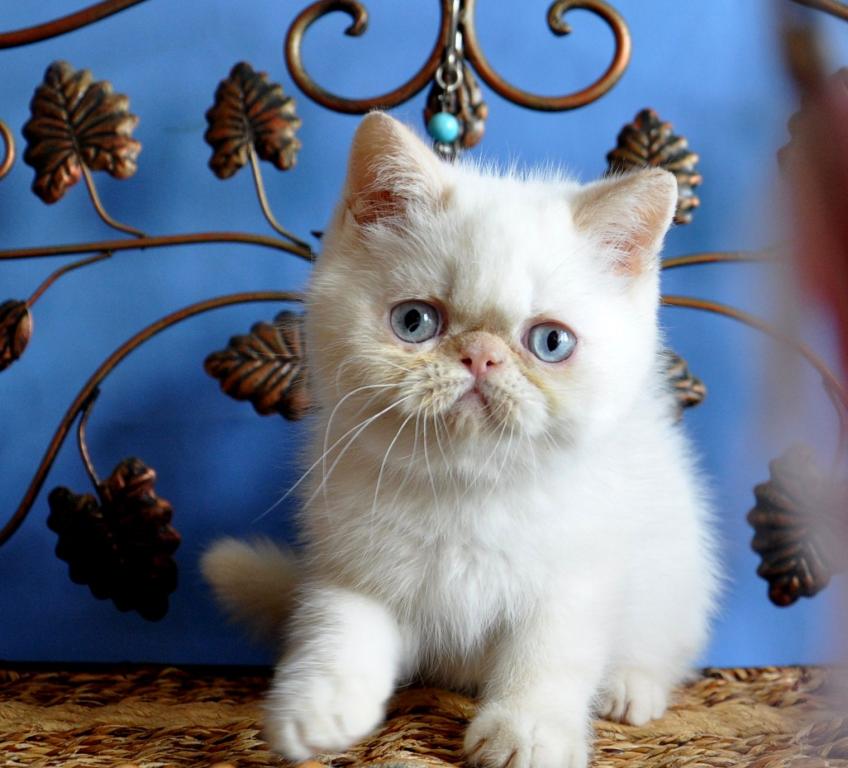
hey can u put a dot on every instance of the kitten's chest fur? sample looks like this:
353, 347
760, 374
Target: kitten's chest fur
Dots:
452, 569
456, 565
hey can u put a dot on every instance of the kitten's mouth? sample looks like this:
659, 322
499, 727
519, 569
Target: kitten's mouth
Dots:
474, 397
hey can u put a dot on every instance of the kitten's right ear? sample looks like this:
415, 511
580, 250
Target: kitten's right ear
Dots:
628, 215
389, 169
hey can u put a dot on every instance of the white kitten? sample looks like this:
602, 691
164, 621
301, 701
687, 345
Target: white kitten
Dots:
500, 500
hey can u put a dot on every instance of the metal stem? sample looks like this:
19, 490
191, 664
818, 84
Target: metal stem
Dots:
9, 155
833, 7
105, 369
54, 276
69, 23
835, 392
81, 443
263, 202
714, 257
157, 241
101, 211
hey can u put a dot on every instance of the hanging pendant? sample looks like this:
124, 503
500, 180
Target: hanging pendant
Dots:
443, 127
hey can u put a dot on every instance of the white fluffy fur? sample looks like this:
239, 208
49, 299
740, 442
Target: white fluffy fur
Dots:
550, 550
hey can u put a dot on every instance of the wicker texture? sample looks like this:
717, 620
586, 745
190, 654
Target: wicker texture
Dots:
152, 717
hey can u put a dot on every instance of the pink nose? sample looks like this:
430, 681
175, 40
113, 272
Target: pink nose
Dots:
480, 356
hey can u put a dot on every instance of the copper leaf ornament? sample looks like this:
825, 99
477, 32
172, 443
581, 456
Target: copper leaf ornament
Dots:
77, 121
250, 111
120, 545
15, 331
266, 367
649, 142
799, 527
688, 389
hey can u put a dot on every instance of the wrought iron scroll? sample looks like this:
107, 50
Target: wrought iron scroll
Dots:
473, 53
359, 24
558, 25
253, 120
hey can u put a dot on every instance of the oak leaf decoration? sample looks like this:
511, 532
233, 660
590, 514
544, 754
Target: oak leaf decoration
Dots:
15, 331
251, 112
799, 527
120, 544
649, 142
266, 367
76, 121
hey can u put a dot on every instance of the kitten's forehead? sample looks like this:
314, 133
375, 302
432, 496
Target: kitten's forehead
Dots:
497, 253
490, 271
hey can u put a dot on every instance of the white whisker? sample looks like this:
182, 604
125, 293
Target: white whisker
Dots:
502, 406
448, 466
499, 473
316, 463
429, 468
383, 464
333, 414
364, 425
410, 460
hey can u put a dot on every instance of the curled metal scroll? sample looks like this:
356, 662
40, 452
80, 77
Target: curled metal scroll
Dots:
359, 23
9, 151
558, 25
473, 53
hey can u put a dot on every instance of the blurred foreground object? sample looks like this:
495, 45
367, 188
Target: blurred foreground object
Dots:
800, 516
797, 514
816, 166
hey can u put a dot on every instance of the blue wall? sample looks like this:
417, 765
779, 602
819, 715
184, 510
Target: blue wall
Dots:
715, 74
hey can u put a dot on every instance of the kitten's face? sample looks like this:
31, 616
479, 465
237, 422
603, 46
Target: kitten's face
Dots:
468, 319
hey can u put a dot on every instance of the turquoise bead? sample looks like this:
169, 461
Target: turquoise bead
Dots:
443, 127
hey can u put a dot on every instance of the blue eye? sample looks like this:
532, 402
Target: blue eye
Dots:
551, 342
415, 321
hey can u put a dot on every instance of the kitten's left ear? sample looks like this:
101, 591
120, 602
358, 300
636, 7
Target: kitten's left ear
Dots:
629, 216
390, 170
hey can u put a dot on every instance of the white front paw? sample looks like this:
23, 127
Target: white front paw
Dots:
512, 736
634, 696
311, 710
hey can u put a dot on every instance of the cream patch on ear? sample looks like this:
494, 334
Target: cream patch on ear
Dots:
389, 169
629, 216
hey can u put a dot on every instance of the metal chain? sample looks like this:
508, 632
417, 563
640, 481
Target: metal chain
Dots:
449, 73
449, 77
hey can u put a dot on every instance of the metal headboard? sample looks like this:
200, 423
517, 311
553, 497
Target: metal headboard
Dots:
79, 126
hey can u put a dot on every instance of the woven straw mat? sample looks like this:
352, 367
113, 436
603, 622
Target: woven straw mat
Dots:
153, 717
